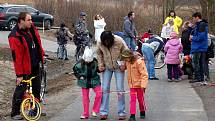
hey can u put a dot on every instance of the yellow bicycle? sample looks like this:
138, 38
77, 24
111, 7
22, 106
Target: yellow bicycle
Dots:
30, 107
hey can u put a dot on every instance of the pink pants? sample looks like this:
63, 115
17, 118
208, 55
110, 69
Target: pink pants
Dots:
136, 93
86, 100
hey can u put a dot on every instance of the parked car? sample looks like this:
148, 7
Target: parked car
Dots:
9, 16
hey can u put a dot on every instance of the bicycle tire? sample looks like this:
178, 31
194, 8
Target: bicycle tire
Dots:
159, 60
80, 54
27, 111
43, 85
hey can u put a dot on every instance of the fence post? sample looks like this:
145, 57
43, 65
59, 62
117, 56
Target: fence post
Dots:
43, 26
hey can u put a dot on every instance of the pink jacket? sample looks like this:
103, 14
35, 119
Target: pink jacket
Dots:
173, 47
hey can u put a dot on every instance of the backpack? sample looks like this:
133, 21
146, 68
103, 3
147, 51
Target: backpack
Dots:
62, 37
62, 34
210, 51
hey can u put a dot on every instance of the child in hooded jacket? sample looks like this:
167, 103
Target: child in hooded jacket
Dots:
137, 81
173, 48
86, 71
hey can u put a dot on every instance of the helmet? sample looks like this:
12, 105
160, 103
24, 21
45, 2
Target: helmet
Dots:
83, 13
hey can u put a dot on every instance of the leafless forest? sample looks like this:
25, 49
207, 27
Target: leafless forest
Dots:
149, 13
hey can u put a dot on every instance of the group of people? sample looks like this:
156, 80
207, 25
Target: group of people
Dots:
81, 36
116, 53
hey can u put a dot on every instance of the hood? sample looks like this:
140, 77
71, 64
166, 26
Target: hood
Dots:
126, 18
173, 35
174, 42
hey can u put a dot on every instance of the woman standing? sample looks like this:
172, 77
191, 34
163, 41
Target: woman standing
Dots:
109, 51
99, 24
177, 20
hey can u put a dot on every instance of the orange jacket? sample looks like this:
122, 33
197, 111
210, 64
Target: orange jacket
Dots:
137, 74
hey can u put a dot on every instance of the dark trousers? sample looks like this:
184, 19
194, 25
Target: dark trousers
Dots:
20, 90
199, 61
173, 69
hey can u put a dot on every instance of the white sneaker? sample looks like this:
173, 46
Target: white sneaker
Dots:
83, 117
94, 114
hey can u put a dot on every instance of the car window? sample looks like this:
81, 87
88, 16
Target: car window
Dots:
1, 9
31, 10
17, 9
20, 9
11, 10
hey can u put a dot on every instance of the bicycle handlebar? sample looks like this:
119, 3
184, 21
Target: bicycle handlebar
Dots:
28, 80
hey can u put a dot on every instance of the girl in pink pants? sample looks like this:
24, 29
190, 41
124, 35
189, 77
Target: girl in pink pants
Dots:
86, 71
137, 81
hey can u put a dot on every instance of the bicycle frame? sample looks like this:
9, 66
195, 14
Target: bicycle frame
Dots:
30, 103
29, 93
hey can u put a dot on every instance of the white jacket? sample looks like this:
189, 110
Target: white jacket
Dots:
166, 31
99, 28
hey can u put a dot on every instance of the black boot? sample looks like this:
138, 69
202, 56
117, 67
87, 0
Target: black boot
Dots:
132, 117
142, 114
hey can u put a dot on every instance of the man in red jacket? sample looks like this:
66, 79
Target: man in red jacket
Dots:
27, 53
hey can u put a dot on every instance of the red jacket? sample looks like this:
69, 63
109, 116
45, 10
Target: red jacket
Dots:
20, 51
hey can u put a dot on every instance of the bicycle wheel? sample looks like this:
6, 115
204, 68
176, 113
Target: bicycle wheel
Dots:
28, 111
80, 54
43, 86
159, 60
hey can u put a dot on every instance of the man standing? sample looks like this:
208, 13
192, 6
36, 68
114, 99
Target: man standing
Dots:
81, 31
130, 31
27, 53
199, 46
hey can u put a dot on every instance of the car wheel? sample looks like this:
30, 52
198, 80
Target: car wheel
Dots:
11, 24
47, 24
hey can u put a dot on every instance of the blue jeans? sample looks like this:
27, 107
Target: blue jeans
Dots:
199, 61
149, 60
130, 43
62, 51
106, 76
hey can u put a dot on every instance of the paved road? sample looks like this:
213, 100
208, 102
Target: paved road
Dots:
165, 102
47, 45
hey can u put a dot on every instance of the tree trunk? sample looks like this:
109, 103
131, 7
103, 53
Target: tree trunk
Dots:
208, 12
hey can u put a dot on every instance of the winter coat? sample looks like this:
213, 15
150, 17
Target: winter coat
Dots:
99, 28
20, 50
89, 73
173, 48
63, 36
137, 74
166, 31
81, 27
108, 57
186, 43
129, 28
200, 37
177, 22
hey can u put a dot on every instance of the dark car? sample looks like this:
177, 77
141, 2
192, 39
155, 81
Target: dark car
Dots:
9, 16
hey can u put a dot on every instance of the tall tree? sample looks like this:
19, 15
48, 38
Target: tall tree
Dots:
208, 12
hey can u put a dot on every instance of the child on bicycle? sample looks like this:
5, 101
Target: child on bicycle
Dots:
86, 71
173, 48
137, 81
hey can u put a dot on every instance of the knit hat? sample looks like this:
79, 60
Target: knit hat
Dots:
82, 13
173, 35
88, 54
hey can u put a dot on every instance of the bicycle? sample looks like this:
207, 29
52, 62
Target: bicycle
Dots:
43, 77
159, 59
30, 106
83, 43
